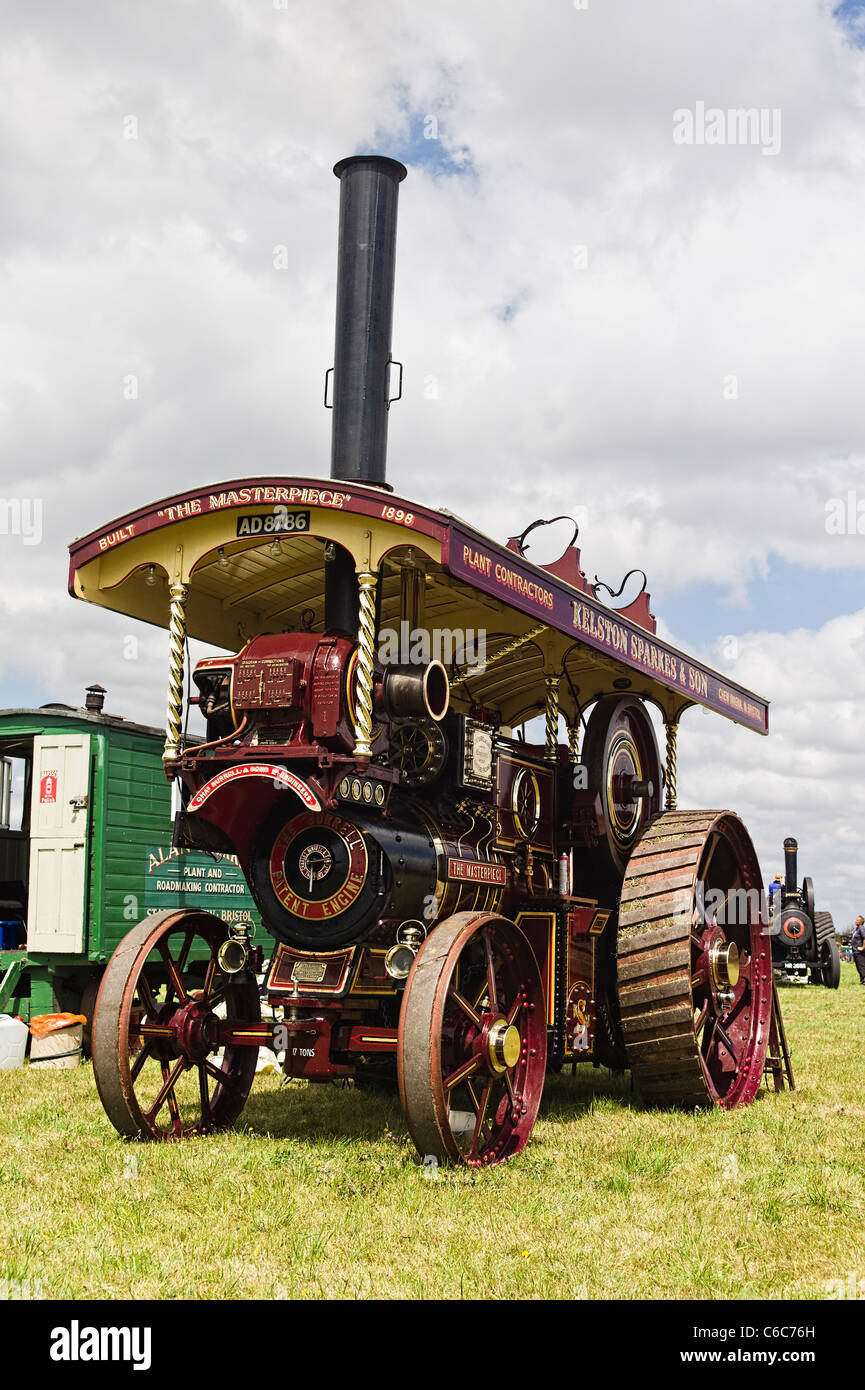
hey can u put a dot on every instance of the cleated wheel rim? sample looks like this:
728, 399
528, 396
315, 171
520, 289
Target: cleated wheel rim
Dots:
472, 1042
164, 1067
694, 964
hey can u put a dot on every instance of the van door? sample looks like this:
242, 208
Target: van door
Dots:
59, 848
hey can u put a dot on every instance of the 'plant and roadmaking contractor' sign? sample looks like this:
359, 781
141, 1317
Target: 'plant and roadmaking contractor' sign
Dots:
187, 878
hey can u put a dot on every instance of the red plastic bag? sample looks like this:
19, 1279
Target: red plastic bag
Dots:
43, 1024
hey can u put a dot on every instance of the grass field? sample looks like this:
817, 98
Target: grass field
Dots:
319, 1195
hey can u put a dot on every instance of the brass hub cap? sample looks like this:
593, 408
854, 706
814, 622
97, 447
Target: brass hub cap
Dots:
503, 1046
724, 961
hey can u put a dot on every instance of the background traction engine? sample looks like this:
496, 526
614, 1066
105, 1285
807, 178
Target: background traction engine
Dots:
455, 910
804, 948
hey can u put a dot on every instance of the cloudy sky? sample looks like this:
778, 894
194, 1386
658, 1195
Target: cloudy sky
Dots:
611, 296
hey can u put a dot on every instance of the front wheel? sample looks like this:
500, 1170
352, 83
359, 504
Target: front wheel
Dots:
472, 1041
164, 1058
830, 964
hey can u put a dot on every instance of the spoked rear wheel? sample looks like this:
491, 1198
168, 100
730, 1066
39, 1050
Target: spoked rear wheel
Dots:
472, 1042
694, 967
163, 1058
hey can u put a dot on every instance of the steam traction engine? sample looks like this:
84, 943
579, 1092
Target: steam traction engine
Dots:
457, 910
803, 940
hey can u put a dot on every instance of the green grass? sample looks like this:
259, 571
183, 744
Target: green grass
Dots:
318, 1193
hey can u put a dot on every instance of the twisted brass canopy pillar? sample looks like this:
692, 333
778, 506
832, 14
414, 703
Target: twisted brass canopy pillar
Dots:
552, 717
176, 638
574, 741
366, 582
672, 728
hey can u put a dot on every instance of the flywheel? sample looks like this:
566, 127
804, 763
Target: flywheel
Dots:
694, 963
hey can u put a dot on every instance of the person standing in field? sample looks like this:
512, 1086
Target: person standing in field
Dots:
857, 944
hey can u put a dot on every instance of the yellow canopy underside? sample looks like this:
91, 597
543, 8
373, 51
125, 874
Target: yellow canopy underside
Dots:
252, 588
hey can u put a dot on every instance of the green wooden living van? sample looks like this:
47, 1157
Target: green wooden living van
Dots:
85, 853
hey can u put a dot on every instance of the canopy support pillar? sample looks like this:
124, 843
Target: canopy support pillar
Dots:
367, 581
412, 594
672, 729
574, 741
551, 751
176, 640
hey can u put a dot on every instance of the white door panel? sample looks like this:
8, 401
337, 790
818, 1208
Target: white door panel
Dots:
55, 913
59, 842
61, 781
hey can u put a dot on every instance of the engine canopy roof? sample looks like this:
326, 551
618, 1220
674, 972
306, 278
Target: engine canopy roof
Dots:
219, 542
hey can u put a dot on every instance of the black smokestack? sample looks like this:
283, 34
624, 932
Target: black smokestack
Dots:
790, 855
369, 188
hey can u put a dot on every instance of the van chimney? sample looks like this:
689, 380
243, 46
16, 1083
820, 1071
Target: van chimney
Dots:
95, 697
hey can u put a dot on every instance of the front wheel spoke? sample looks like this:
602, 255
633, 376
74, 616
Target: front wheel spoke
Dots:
242, 1034
701, 1019
509, 1087
169, 1080
491, 973
204, 1094
174, 1111
208, 981
173, 972
146, 993
461, 1073
220, 1076
466, 1007
142, 1057
182, 958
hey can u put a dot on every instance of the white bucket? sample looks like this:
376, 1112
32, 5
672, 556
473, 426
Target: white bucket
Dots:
59, 1049
13, 1042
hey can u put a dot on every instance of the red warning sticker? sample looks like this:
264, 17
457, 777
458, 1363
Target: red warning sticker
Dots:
48, 788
